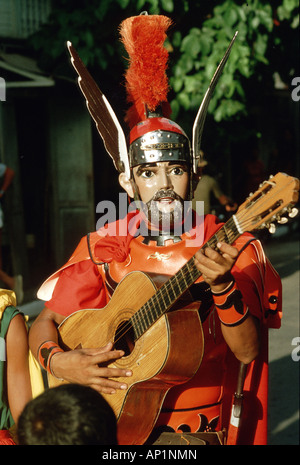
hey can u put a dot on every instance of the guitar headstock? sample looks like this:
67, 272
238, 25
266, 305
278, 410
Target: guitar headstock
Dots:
274, 199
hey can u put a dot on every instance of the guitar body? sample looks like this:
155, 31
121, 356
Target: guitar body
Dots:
167, 354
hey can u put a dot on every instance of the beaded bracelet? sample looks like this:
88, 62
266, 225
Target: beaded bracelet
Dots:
230, 306
45, 353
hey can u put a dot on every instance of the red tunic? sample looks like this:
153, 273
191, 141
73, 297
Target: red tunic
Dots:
6, 438
204, 402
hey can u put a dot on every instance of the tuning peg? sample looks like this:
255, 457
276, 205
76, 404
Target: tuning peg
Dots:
282, 220
292, 212
272, 228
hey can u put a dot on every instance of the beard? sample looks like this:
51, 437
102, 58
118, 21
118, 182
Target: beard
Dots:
165, 211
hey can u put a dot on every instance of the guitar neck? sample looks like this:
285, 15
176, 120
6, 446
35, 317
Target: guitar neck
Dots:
169, 293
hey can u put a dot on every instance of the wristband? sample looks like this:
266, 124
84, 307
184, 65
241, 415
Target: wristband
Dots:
230, 306
46, 352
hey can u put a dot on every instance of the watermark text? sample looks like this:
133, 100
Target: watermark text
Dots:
181, 222
296, 90
2, 350
296, 351
2, 90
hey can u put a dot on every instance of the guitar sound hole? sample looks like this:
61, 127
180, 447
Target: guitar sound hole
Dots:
124, 338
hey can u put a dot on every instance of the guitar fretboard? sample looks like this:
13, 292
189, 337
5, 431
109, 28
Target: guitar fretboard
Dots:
169, 293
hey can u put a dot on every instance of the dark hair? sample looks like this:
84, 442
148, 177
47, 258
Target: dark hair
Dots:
70, 414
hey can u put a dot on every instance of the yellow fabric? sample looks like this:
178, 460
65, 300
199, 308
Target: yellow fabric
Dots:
36, 378
7, 299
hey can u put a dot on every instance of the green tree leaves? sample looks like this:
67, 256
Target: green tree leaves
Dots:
201, 50
197, 42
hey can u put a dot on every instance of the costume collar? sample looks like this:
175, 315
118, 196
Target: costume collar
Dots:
160, 239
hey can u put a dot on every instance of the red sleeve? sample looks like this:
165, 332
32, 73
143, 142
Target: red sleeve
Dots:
259, 284
79, 287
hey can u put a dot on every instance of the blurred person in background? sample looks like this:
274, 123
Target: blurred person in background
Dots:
207, 187
12, 282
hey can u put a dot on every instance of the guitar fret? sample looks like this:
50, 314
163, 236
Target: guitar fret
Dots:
212, 242
151, 314
171, 290
177, 282
183, 276
152, 309
158, 307
163, 299
233, 229
135, 323
194, 272
137, 333
146, 315
142, 325
163, 294
227, 234
220, 236
186, 276
175, 285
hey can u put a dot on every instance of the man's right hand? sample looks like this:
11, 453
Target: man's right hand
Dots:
83, 366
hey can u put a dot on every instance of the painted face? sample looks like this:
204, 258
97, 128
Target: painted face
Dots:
153, 177
163, 187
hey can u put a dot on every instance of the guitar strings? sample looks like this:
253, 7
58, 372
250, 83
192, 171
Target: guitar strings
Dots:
139, 318
185, 272
189, 271
263, 201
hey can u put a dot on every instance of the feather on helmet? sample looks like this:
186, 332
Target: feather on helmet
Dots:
153, 136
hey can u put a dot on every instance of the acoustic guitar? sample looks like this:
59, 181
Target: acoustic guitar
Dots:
164, 348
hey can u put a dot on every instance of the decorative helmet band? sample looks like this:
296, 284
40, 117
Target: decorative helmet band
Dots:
156, 140
153, 136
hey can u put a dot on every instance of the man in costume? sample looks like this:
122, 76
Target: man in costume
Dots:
236, 291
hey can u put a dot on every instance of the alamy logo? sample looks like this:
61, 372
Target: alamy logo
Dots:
2, 90
296, 91
2, 350
183, 222
296, 351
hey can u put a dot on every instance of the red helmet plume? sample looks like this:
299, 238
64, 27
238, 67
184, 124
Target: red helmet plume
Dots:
153, 137
146, 79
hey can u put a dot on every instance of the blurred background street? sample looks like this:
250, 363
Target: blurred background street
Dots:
283, 251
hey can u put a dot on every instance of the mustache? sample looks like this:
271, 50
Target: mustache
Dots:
165, 193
